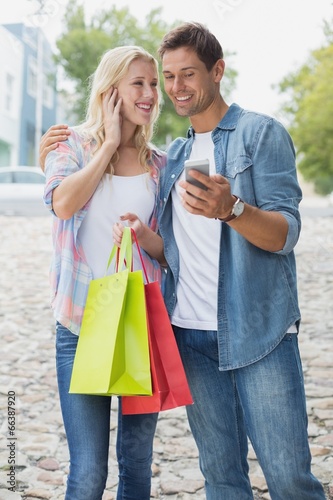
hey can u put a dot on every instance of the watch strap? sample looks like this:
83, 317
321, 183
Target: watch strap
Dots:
232, 215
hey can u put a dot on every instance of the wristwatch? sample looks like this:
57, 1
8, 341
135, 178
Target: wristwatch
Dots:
237, 210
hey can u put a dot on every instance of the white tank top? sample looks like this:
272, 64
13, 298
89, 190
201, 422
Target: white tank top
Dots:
114, 196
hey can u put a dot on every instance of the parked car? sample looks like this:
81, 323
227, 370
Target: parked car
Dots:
21, 191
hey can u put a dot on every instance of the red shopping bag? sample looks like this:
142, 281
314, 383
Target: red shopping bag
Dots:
169, 383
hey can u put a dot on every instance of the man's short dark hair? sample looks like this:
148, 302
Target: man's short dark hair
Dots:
197, 37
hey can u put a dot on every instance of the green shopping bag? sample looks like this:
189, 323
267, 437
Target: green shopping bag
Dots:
112, 355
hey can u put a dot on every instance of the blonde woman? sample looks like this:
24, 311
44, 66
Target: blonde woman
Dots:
106, 168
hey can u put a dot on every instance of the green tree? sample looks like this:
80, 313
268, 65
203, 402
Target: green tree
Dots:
83, 42
309, 109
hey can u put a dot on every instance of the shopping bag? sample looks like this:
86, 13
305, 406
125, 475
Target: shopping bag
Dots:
170, 386
112, 355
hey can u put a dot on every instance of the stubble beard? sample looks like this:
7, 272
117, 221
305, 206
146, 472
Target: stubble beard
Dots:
187, 112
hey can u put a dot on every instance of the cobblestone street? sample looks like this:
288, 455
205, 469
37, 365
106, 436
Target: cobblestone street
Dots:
27, 370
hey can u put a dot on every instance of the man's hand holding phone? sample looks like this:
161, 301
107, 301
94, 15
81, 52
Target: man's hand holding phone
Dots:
216, 199
201, 166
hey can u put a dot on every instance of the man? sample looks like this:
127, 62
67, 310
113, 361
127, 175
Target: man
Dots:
231, 288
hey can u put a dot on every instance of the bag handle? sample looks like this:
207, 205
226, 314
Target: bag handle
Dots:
124, 253
140, 254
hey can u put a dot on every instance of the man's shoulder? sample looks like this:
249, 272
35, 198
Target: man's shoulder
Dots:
176, 145
249, 123
249, 116
246, 115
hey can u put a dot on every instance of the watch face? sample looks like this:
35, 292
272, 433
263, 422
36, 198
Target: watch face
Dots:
238, 208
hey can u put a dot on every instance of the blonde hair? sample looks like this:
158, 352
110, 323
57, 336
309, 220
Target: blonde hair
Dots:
112, 68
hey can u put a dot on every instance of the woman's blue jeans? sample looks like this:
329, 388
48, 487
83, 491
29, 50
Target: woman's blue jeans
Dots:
87, 426
264, 401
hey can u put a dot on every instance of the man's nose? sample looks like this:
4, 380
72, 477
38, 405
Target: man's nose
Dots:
177, 84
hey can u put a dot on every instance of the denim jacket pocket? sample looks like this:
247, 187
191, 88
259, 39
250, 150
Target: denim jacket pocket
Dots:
239, 174
237, 166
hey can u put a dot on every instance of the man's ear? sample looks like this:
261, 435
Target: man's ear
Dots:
219, 70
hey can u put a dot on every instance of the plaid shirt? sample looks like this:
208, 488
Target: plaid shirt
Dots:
70, 275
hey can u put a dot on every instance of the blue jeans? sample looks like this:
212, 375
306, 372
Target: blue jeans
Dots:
87, 425
264, 401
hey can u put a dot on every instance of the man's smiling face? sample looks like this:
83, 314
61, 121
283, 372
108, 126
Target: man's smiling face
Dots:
188, 83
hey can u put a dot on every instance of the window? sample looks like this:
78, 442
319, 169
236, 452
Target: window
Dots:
32, 77
46, 82
47, 92
9, 92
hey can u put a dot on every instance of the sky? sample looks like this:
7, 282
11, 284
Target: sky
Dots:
269, 38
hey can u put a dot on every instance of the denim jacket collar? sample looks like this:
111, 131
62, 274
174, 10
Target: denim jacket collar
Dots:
228, 122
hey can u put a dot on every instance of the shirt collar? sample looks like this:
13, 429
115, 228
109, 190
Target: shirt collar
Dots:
228, 122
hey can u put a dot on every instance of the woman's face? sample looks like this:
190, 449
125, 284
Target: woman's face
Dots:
138, 90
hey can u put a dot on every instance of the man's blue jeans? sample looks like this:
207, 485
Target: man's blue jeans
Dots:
264, 401
87, 426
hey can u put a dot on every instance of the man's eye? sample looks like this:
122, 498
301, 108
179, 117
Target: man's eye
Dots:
169, 77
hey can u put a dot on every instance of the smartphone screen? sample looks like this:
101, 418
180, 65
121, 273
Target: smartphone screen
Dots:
200, 165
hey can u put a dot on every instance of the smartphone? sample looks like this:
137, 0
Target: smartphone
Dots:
200, 165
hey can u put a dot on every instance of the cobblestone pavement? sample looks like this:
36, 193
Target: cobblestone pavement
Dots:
27, 369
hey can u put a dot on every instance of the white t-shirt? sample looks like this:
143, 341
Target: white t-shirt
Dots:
114, 196
198, 241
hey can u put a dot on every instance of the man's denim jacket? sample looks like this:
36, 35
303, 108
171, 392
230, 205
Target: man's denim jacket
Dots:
257, 294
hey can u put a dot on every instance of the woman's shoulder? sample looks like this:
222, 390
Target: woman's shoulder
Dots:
159, 157
157, 151
77, 134
78, 140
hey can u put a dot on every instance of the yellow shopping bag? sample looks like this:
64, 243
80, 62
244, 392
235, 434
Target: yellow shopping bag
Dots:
112, 355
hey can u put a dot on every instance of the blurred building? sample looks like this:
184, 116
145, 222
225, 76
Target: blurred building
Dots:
28, 98
11, 60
